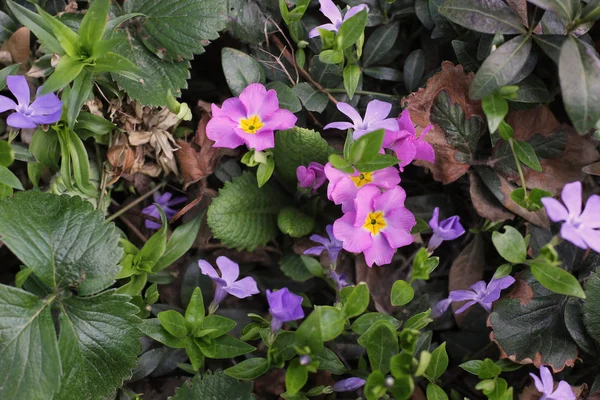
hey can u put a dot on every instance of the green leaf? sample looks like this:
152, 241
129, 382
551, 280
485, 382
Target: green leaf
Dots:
214, 386
6, 71
323, 324
530, 325
384, 73
365, 321
379, 43
194, 313
338, 162
380, 161
217, 324
68, 39
556, 279
351, 30
240, 70
162, 76
357, 301
244, 216
294, 222
37, 25
414, 66
155, 247
73, 246
434, 392
526, 154
28, 340
485, 369
506, 131
329, 361
78, 95
7, 27
461, 133
510, 245
66, 71
176, 29
249, 369
366, 147
99, 343
181, 240
229, 347
591, 308
351, 78
439, 362
495, 109
312, 99
8, 178
381, 345
488, 16
566, 9
532, 90
119, 65
580, 83
92, 26
501, 67
293, 267
295, 147
287, 97
265, 171
296, 376
375, 386
402, 293
331, 56
153, 329
174, 323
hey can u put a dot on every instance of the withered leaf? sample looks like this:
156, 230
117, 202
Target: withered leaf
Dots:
485, 203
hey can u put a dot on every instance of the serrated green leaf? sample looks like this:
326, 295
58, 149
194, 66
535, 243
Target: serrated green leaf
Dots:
294, 222
28, 341
556, 279
591, 307
379, 43
402, 293
244, 216
98, 343
312, 99
249, 369
526, 155
73, 245
240, 70
162, 75
214, 386
489, 16
177, 29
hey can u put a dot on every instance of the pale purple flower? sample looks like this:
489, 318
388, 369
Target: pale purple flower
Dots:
165, 201
311, 177
343, 187
579, 228
348, 385
45, 109
340, 280
379, 225
478, 293
545, 386
330, 10
448, 229
332, 245
304, 360
375, 118
228, 281
284, 306
404, 142
249, 119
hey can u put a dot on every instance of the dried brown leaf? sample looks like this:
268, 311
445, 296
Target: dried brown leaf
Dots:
18, 46
484, 201
466, 269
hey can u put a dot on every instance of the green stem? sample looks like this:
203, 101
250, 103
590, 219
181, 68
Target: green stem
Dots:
519, 169
135, 202
365, 92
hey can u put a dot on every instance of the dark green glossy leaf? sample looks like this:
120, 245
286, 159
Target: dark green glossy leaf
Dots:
249, 369
487, 16
414, 66
379, 43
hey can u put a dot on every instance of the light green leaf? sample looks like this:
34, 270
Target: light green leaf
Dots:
240, 70
351, 30
365, 321
78, 95
244, 216
366, 148
332, 57
181, 240
28, 340
68, 39
93, 23
495, 109
510, 245
8, 178
296, 376
556, 279
73, 246
402, 293
351, 78
249, 369
99, 344
526, 155
488, 16
66, 71
439, 362
119, 65
323, 324
153, 329
194, 313
174, 323
357, 301
434, 392
228, 347
381, 345
214, 386
217, 324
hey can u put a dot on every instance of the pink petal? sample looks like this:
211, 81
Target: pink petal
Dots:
380, 252
405, 150
19, 88
400, 222
388, 123
571, 196
260, 141
245, 287
354, 239
259, 101
570, 233
355, 10
386, 178
405, 123
329, 9
232, 108
591, 213
7, 104
555, 210
377, 110
229, 270
392, 136
393, 199
364, 203
342, 126
344, 193
18, 120
221, 130
280, 120
315, 31
350, 112
424, 151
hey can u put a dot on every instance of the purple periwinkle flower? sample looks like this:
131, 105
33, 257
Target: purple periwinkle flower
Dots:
579, 228
165, 201
332, 245
311, 177
448, 229
334, 15
478, 293
375, 118
545, 386
304, 360
251, 119
284, 306
340, 280
348, 385
45, 109
228, 281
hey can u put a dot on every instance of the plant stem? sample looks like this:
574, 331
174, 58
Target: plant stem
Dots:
365, 92
519, 169
136, 202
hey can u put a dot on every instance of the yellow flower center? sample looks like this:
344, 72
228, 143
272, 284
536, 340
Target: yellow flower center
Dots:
362, 179
251, 125
375, 222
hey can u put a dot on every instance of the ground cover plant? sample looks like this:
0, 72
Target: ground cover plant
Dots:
297, 199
